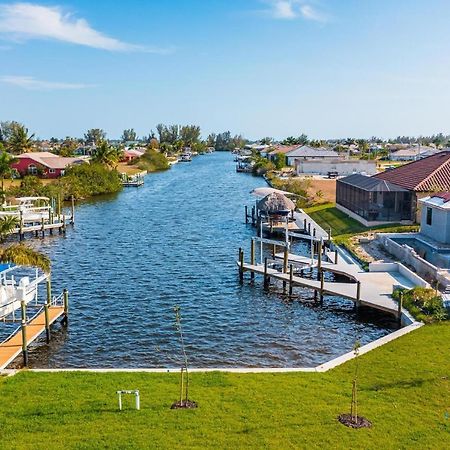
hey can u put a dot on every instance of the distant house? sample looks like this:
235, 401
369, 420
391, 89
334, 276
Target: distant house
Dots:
131, 154
392, 196
43, 164
340, 167
413, 153
435, 218
271, 154
307, 152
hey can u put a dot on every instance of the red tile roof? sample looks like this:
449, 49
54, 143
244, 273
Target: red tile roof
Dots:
424, 175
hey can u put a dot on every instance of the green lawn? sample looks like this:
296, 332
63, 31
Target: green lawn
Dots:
404, 391
328, 216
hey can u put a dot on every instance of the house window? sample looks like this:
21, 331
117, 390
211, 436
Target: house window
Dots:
32, 169
51, 171
429, 216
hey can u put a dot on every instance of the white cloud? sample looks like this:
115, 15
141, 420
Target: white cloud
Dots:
32, 83
22, 21
293, 9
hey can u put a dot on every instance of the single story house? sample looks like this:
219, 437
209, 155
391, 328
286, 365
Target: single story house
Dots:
43, 164
372, 201
342, 167
277, 150
131, 154
412, 153
307, 152
435, 217
395, 192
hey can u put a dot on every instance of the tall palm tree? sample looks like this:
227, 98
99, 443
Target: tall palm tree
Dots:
19, 141
24, 256
5, 167
106, 155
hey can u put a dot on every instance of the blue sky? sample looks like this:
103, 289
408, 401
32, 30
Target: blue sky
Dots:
328, 68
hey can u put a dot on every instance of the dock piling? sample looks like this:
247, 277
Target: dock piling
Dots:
358, 295
241, 265
72, 218
319, 259
291, 279
321, 286
400, 307
23, 308
246, 214
266, 277
252, 258
66, 306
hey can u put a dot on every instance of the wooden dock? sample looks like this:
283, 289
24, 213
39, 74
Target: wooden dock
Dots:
30, 330
371, 289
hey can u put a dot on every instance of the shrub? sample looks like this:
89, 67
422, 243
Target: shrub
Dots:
153, 161
423, 303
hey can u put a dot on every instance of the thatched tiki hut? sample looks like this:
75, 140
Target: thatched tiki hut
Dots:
276, 204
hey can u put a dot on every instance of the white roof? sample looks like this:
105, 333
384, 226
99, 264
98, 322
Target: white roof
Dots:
438, 202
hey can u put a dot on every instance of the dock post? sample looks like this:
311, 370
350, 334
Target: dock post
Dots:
72, 218
21, 226
309, 228
274, 250
246, 214
46, 307
66, 306
321, 286
291, 279
400, 306
285, 265
266, 277
58, 212
43, 227
336, 255
253, 216
241, 265
314, 232
64, 224
304, 225
319, 259
23, 308
358, 295
252, 258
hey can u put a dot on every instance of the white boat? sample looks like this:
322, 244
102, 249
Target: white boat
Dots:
185, 157
13, 292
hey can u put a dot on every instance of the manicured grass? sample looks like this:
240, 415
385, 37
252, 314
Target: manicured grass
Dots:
328, 216
404, 389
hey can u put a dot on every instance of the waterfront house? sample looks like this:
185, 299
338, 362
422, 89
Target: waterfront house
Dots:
43, 164
271, 154
435, 217
372, 201
307, 152
419, 178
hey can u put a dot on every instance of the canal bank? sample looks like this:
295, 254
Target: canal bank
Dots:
131, 258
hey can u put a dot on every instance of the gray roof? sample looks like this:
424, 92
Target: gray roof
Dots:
371, 184
305, 151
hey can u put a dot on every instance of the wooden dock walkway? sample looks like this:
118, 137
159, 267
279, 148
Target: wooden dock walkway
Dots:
372, 289
17, 343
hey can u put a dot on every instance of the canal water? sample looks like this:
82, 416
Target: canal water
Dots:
132, 257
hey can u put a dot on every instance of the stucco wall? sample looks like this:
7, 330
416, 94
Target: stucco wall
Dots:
438, 230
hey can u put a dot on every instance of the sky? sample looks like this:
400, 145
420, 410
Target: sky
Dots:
327, 68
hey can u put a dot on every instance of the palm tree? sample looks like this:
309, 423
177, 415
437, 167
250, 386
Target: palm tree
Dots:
19, 141
7, 225
106, 155
24, 256
5, 167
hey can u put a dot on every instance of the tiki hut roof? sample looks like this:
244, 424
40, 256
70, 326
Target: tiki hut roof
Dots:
265, 191
275, 202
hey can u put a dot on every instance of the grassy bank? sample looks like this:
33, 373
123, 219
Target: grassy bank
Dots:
404, 392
